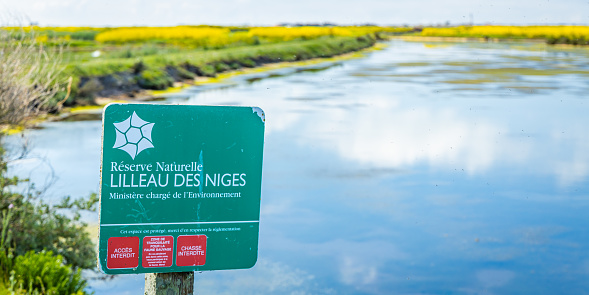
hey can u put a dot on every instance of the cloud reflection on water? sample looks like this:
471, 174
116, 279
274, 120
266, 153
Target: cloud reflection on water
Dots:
377, 126
401, 182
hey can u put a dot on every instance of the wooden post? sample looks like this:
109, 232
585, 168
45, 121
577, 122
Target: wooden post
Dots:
173, 283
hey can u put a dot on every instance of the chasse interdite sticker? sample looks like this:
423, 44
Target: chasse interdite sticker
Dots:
180, 188
191, 250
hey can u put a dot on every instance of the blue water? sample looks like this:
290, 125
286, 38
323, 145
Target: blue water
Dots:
442, 168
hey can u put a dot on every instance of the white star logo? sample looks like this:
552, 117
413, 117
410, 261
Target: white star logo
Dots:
133, 135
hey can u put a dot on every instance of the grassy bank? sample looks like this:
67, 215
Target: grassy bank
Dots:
128, 76
124, 61
574, 35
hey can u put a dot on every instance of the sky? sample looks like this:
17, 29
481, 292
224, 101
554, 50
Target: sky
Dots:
272, 12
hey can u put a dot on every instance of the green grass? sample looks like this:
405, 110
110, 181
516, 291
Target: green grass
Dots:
288, 51
159, 68
3, 288
113, 69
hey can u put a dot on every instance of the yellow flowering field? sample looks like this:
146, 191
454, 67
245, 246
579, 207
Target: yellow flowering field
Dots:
132, 41
138, 34
195, 36
220, 36
553, 34
291, 33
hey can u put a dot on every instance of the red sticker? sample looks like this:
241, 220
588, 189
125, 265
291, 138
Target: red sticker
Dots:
157, 251
191, 250
123, 252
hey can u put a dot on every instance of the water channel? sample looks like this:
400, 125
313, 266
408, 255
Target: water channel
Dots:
423, 168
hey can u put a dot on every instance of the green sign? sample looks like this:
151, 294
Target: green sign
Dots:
180, 188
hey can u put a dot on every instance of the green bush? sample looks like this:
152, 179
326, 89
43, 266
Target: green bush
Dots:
37, 226
154, 79
181, 72
221, 67
84, 35
28, 226
45, 273
208, 70
247, 63
6, 253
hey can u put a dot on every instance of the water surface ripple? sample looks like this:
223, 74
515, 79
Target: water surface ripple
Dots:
421, 169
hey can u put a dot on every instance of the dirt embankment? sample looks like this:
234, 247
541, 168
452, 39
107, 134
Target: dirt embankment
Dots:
145, 75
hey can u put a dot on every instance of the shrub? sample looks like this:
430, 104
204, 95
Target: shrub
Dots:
84, 35
154, 79
221, 67
28, 226
45, 273
89, 87
28, 75
34, 225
